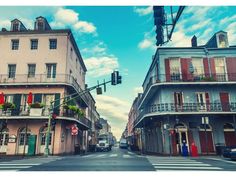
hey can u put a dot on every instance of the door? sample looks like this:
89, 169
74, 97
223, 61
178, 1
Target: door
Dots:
51, 70
23, 137
229, 134
4, 136
178, 98
224, 99
201, 101
32, 144
206, 141
42, 143
181, 139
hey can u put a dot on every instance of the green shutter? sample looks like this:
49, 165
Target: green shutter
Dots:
38, 98
57, 103
32, 144
17, 102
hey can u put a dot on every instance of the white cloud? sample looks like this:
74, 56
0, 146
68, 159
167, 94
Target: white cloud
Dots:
5, 23
146, 43
198, 26
85, 27
115, 111
179, 39
67, 17
143, 11
100, 66
227, 20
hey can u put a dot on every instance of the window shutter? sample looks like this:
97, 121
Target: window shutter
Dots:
213, 68
167, 68
57, 103
17, 102
206, 67
231, 65
207, 101
38, 98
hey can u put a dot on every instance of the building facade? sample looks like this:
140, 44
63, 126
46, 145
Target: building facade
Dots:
189, 97
39, 67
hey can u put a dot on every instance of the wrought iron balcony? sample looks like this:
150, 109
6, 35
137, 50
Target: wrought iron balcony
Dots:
186, 107
22, 79
24, 111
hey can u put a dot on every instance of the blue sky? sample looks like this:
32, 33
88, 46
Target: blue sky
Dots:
123, 38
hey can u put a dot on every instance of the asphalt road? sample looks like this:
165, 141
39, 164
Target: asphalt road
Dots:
118, 160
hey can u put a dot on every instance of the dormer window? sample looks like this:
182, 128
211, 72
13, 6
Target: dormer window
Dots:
15, 27
222, 41
40, 25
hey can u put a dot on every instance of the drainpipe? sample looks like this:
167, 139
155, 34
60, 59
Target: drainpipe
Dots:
209, 64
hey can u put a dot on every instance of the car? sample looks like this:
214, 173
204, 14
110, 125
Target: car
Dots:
227, 151
123, 144
233, 154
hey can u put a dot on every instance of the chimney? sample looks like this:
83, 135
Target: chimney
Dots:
194, 41
4, 29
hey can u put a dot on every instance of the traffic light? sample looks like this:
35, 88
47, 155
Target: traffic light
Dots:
115, 78
159, 21
99, 90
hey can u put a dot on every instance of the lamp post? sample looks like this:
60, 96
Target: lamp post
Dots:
46, 151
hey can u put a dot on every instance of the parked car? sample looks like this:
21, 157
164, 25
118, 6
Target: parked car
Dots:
227, 151
233, 154
123, 144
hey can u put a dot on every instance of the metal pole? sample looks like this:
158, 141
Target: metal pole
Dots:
206, 135
46, 151
25, 139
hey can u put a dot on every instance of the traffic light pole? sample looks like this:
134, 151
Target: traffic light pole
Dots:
46, 151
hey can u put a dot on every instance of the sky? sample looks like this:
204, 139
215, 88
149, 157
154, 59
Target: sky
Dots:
123, 38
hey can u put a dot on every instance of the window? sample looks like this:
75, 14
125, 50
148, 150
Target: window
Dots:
43, 136
71, 53
222, 41
197, 67
220, 69
22, 137
175, 69
53, 43
15, 27
51, 70
34, 44
15, 44
40, 25
31, 70
11, 71
9, 98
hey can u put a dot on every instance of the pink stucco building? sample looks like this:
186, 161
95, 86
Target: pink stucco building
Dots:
47, 63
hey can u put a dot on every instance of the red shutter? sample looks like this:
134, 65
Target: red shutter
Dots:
174, 145
206, 67
224, 99
207, 101
213, 68
167, 68
184, 62
190, 138
231, 68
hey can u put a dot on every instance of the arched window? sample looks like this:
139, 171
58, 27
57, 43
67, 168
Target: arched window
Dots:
23, 137
4, 137
43, 132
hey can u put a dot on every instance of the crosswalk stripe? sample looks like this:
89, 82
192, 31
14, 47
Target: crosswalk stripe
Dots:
101, 155
15, 167
192, 168
185, 164
17, 164
113, 155
126, 156
181, 162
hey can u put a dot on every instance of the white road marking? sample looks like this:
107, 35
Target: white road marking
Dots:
222, 160
184, 164
101, 155
16, 167
126, 156
192, 168
113, 155
18, 164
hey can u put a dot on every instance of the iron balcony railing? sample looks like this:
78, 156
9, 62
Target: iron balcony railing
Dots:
187, 107
177, 77
44, 79
23, 110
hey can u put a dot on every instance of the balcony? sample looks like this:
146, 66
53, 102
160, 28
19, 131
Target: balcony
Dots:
189, 108
23, 112
43, 79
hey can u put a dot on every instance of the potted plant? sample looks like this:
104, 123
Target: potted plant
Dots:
36, 109
7, 107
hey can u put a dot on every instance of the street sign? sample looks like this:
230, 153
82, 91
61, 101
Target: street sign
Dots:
74, 130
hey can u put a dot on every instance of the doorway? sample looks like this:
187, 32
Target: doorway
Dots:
4, 136
181, 137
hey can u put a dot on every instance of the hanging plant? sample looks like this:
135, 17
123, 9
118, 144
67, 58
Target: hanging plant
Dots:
7, 105
37, 105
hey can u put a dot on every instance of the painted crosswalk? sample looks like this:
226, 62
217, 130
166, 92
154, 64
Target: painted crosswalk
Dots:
179, 163
22, 164
113, 155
